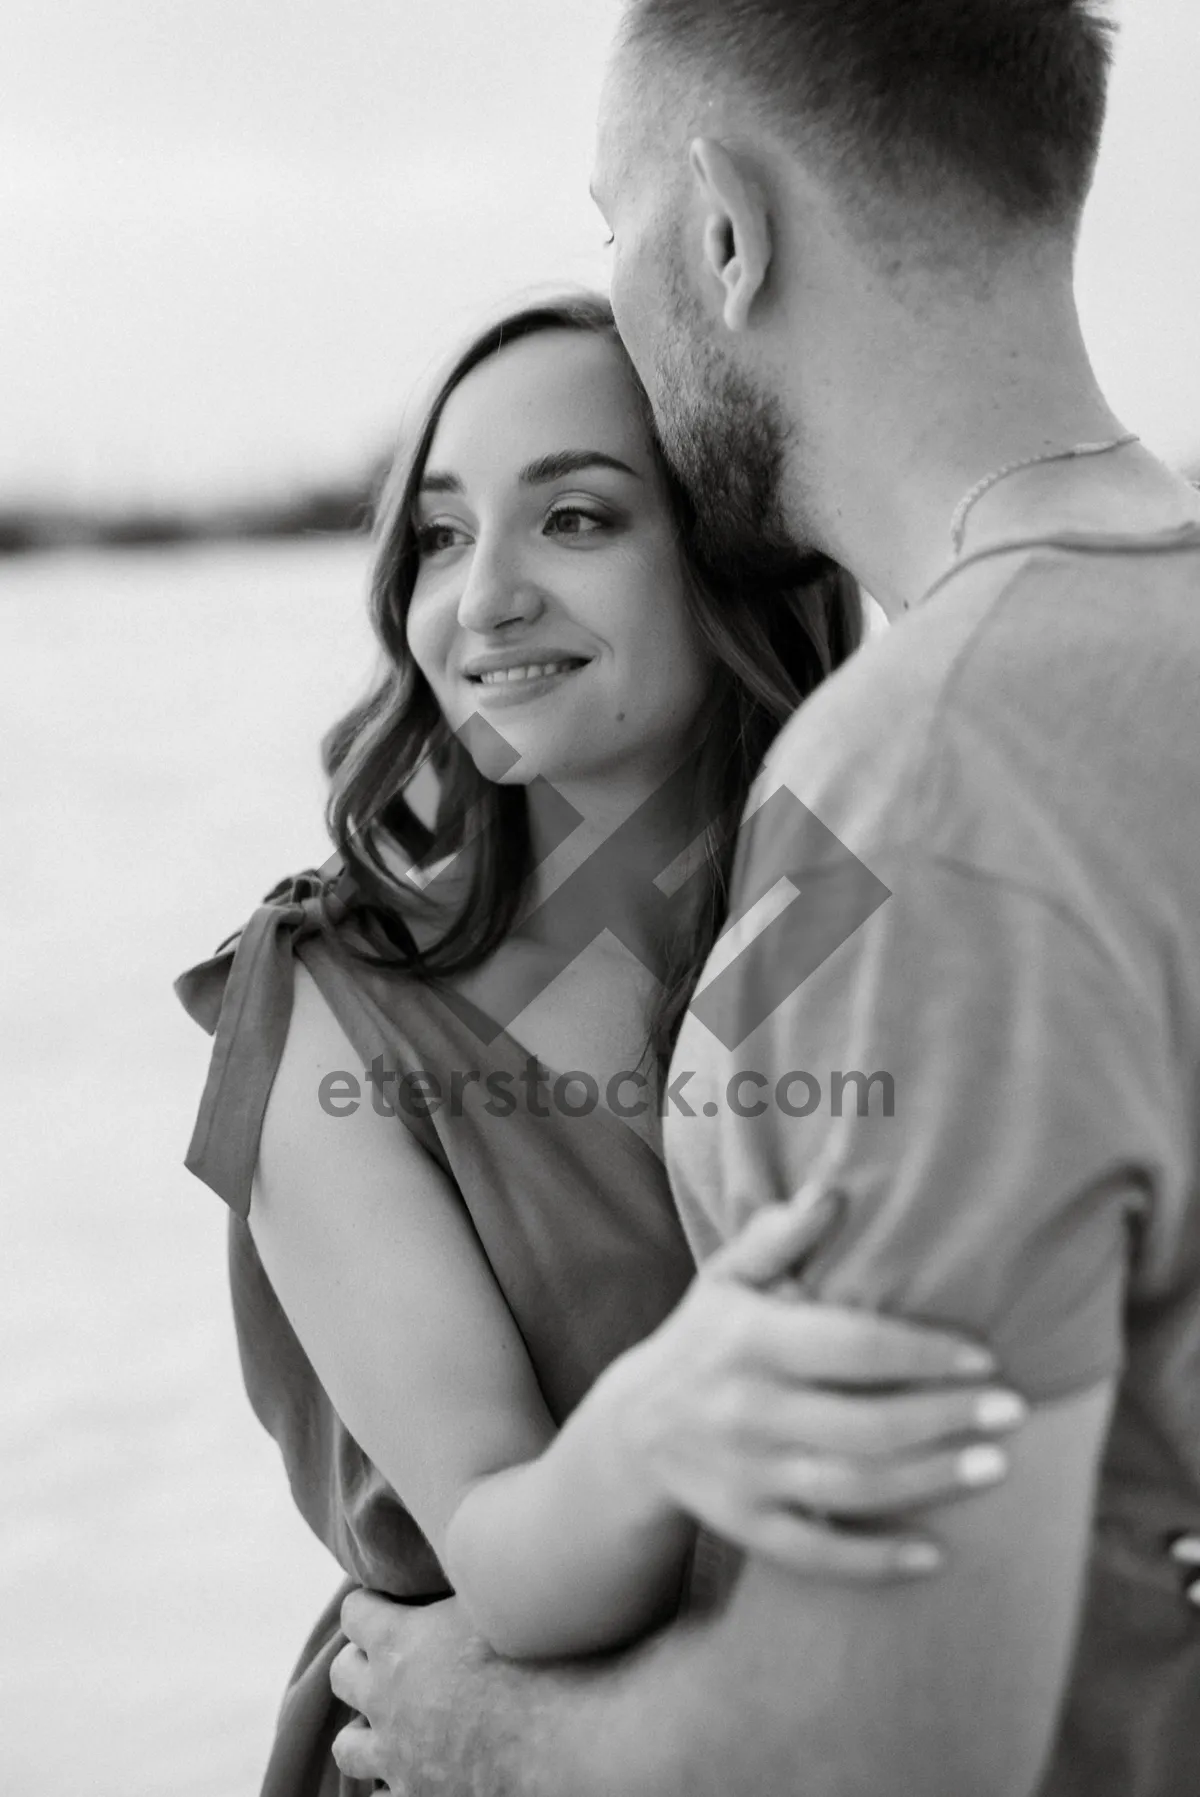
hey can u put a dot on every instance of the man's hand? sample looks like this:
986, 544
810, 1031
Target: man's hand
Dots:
406, 1670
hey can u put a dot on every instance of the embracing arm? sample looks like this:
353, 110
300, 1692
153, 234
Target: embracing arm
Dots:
569, 1552
1029, 1098
552, 1542
1002, 1205
937, 1689
808, 1690
743, 1409
798, 1688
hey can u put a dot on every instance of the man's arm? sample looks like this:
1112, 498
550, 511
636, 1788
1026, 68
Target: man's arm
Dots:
1030, 1102
996, 1200
798, 1689
948, 1687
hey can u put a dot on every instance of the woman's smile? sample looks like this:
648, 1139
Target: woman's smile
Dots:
518, 683
548, 584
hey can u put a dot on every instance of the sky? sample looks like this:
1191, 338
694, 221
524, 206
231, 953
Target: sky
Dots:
235, 233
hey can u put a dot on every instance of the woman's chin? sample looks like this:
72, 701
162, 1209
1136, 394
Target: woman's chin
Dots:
555, 770
495, 762
513, 755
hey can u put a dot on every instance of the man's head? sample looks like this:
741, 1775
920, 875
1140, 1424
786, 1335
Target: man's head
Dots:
753, 150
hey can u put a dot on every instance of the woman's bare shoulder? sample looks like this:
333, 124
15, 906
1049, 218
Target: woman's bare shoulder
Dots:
320, 1121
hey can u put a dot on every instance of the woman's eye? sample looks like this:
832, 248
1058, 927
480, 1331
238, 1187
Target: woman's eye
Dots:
431, 538
607, 242
570, 521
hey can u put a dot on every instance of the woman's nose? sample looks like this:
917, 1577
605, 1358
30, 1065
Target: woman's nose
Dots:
497, 591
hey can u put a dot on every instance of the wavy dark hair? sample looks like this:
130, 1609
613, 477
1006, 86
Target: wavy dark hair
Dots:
772, 642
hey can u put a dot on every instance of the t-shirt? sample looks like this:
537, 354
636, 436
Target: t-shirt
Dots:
961, 983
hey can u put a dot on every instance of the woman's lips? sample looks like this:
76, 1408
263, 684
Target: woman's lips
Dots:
532, 668
517, 686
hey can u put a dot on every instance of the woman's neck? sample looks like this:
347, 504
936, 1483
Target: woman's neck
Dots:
598, 851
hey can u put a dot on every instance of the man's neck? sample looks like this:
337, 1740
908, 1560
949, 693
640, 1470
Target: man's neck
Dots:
918, 402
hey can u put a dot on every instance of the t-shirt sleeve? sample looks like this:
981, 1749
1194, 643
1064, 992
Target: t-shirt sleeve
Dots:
968, 1070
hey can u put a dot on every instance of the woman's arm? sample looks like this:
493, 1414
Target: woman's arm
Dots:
757, 1412
599, 1553
551, 1540
746, 1410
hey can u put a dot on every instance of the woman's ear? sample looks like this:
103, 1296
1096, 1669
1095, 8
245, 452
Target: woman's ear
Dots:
737, 232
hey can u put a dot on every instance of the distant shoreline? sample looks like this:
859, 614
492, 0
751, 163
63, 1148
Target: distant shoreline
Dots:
338, 509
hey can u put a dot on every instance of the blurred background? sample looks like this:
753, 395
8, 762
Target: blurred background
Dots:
232, 237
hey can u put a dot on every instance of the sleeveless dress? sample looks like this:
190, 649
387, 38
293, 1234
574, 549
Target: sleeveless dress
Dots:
573, 1213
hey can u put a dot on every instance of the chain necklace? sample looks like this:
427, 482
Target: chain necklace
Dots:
971, 498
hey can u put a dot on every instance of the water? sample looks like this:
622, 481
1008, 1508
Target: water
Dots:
159, 715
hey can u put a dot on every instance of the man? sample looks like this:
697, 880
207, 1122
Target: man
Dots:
843, 247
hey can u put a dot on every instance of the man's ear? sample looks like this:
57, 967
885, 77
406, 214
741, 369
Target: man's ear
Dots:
737, 229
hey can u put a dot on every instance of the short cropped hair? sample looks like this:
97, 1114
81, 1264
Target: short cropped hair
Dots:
1004, 99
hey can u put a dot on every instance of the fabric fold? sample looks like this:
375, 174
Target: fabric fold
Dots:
248, 981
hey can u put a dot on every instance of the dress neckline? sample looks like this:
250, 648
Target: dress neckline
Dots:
510, 1055
502, 1042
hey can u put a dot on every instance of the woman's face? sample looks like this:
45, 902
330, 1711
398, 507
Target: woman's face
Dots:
550, 597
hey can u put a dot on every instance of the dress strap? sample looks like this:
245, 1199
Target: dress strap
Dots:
242, 996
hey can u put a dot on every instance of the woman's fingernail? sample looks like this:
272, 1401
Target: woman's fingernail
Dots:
1194, 1594
919, 1556
981, 1466
970, 1359
1186, 1550
1000, 1410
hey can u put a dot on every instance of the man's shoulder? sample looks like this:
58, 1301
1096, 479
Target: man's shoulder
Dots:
1075, 621
1012, 654
854, 749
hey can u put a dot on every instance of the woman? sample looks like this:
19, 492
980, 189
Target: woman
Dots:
456, 1286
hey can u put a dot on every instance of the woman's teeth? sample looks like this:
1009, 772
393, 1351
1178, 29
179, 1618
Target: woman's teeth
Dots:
534, 670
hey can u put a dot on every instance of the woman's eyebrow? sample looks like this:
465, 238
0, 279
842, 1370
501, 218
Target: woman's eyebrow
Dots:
433, 481
570, 461
536, 474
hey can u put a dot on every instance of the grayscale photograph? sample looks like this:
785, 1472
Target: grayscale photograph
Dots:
600, 1006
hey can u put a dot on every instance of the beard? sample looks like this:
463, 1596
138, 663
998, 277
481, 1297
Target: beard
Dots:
726, 444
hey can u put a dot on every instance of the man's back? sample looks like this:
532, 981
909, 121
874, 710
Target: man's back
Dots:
1017, 763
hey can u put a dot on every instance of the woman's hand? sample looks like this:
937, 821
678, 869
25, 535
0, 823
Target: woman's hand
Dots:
774, 1420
